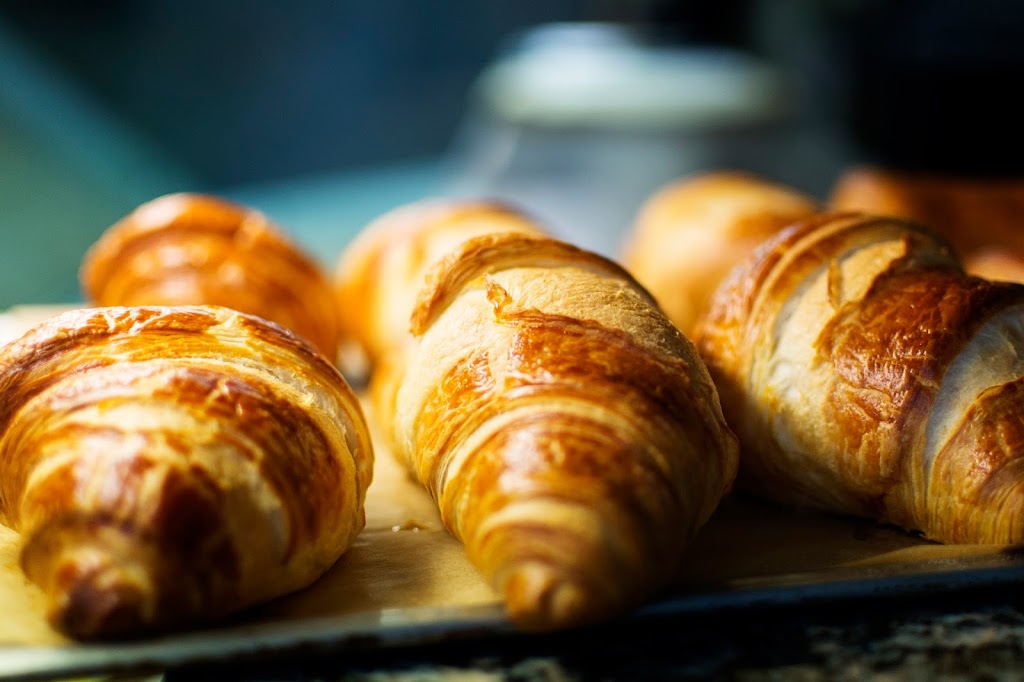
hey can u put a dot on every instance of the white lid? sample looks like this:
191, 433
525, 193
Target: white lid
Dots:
602, 75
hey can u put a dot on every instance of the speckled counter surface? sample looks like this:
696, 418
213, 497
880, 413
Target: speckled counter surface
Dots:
967, 636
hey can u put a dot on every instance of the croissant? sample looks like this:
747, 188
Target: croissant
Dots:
866, 374
183, 249
981, 217
166, 466
570, 435
690, 233
380, 272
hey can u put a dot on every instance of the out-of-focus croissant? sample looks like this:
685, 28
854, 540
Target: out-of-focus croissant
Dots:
192, 249
567, 430
379, 274
169, 465
689, 234
866, 374
981, 217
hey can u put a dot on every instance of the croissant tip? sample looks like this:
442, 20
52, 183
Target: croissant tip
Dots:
98, 585
540, 597
94, 607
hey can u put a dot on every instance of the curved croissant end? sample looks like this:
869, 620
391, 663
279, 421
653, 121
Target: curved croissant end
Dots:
194, 249
568, 431
692, 232
866, 374
980, 217
380, 272
170, 465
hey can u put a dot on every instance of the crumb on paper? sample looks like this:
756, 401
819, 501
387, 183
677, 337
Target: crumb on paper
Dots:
414, 526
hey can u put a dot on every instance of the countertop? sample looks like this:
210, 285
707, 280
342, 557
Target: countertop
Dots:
967, 636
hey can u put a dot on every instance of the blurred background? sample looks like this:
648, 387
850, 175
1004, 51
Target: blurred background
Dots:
326, 113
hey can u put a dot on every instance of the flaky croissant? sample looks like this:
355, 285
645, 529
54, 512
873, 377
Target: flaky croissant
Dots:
866, 374
193, 249
379, 274
166, 466
690, 233
981, 217
567, 430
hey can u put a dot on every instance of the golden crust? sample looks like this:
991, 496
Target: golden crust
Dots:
170, 465
568, 431
502, 251
860, 368
185, 249
981, 217
692, 232
379, 274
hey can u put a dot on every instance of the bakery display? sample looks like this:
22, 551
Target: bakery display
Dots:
168, 463
185, 249
866, 374
167, 466
981, 217
380, 272
570, 435
690, 233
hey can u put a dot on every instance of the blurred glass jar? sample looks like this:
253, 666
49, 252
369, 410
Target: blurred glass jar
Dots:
580, 123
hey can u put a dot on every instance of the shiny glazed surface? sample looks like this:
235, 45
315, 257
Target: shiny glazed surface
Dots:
692, 232
568, 432
980, 217
194, 249
380, 273
866, 374
166, 466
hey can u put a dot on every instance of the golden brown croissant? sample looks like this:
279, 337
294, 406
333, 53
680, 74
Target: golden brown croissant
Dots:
567, 430
689, 234
866, 374
170, 465
981, 217
379, 274
184, 249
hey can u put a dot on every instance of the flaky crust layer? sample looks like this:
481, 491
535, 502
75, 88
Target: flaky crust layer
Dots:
170, 465
692, 232
379, 274
866, 374
195, 249
980, 217
568, 431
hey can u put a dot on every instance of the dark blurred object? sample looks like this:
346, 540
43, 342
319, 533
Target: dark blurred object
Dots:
931, 85
580, 122
708, 22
